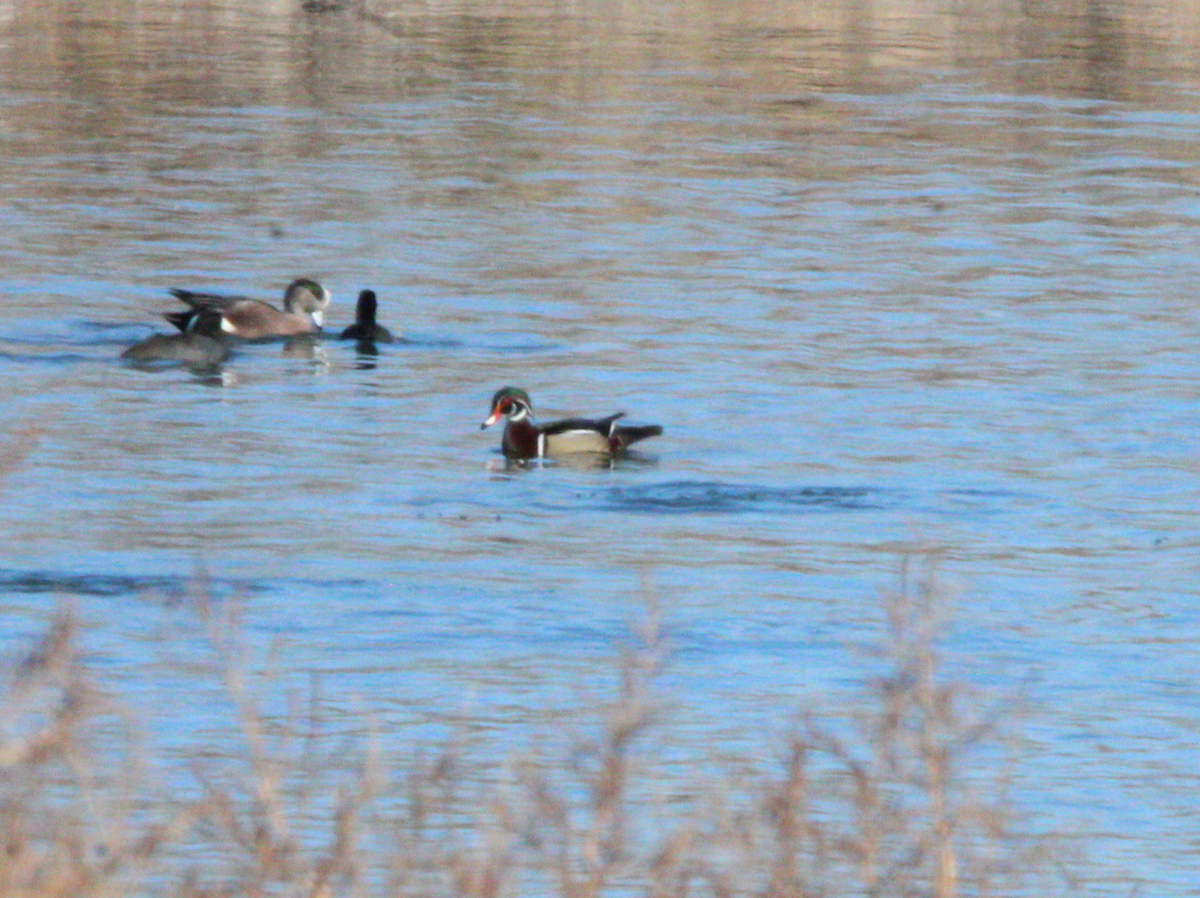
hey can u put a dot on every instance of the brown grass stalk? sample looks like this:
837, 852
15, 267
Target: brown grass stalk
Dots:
877, 800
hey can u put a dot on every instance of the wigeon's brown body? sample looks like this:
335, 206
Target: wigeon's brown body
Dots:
213, 315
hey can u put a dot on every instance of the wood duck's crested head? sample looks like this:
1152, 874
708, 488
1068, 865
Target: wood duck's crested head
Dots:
511, 403
306, 295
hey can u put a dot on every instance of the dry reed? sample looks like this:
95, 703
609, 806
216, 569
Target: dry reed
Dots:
884, 801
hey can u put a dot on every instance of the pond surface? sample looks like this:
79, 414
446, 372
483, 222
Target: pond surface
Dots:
895, 283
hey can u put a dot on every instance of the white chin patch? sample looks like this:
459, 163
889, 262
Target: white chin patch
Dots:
226, 326
319, 317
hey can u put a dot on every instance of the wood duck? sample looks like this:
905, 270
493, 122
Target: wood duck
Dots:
525, 439
304, 304
365, 329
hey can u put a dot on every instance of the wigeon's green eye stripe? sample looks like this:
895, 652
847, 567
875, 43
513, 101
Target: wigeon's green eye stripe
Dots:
306, 295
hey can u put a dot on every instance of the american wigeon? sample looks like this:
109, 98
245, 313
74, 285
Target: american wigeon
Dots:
193, 350
365, 329
525, 439
304, 305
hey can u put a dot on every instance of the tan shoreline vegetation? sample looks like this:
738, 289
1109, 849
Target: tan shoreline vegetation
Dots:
904, 794
196, 89
231, 48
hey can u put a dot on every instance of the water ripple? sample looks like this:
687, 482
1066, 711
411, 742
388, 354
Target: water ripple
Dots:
113, 585
712, 497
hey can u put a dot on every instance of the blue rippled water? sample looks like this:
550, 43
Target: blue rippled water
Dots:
941, 306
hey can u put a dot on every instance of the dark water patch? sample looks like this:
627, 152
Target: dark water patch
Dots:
427, 342
54, 358
516, 348
113, 585
711, 497
78, 333
104, 328
966, 501
980, 496
82, 332
167, 586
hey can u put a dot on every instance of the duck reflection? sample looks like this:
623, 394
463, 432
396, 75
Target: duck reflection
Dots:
306, 348
200, 353
580, 461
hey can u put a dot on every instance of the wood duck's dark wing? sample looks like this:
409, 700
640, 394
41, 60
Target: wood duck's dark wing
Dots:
624, 436
602, 426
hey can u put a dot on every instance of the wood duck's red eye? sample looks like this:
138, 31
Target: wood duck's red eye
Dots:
505, 406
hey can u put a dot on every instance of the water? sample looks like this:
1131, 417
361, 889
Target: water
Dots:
893, 283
